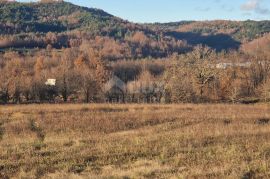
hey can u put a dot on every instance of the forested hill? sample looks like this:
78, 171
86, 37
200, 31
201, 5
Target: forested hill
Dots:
59, 24
240, 30
219, 34
50, 17
53, 24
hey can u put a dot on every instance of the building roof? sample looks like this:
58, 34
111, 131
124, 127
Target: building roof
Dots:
115, 82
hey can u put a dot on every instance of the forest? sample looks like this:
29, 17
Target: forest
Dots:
195, 77
95, 57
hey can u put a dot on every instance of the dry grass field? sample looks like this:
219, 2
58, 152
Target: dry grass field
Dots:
135, 141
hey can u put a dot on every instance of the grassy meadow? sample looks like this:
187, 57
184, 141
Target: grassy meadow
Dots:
135, 141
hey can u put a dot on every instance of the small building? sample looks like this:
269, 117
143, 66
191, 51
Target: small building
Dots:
230, 65
50, 82
115, 90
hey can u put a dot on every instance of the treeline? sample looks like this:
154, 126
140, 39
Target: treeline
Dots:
82, 75
134, 44
79, 76
235, 77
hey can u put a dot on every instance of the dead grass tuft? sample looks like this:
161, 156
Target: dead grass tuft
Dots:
263, 121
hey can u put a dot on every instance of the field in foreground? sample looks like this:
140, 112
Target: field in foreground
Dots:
135, 141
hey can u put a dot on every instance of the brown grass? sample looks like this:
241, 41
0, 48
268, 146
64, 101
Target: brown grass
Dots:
135, 141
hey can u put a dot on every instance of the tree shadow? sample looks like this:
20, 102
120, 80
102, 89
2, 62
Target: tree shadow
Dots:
218, 42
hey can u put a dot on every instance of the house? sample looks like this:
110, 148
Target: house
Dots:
228, 65
115, 90
50, 82
145, 91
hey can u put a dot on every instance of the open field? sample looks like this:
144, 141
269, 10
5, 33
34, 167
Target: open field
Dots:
135, 141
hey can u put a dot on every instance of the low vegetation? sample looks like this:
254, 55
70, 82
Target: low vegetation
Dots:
135, 141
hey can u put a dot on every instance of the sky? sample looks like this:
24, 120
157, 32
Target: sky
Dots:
142, 11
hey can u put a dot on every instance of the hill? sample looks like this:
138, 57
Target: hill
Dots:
50, 17
231, 33
64, 25
26, 26
240, 30
258, 46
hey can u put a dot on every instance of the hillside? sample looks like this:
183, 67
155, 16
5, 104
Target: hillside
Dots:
211, 33
26, 26
260, 45
239, 30
50, 17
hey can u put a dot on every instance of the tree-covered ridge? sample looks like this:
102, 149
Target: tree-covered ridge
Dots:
239, 30
44, 17
64, 25
59, 24
169, 26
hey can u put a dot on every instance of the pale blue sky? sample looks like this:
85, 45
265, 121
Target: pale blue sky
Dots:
177, 10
